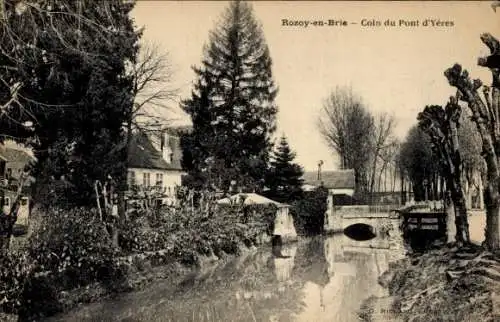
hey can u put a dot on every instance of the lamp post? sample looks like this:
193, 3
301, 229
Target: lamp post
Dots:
320, 164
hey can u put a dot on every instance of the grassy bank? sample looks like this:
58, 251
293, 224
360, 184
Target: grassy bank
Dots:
446, 284
69, 257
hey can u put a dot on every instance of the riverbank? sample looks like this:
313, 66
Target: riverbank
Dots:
446, 284
142, 271
146, 269
52, 271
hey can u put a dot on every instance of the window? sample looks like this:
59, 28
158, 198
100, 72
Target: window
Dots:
131, 178
159, 179
24, 201
146, 180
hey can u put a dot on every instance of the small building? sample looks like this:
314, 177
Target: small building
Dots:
283, 222
338, 182
13, 161
154, 162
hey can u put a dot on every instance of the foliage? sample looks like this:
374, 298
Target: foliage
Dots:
470, 145
418, 161
64, 71
232, 106
69, 249
14, 269
441, 124
75, 242
73, 248
206, 229
348, 128
309, 212
284, 178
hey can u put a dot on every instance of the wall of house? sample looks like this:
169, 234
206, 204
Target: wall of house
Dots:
283, 224
171, 178
15, 168
349, 192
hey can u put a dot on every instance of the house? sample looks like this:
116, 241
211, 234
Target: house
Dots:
154, 163
338, 182
13, 160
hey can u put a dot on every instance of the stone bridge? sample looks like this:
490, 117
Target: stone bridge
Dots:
338, 218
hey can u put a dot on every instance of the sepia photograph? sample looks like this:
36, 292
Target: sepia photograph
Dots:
206, 161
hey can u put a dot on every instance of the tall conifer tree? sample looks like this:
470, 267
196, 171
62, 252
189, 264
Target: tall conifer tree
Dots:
284, 179
232, 106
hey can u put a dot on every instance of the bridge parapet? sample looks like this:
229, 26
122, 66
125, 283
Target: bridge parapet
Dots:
358, 211
340, 217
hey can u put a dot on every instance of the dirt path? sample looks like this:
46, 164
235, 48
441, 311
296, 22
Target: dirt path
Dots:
477, 223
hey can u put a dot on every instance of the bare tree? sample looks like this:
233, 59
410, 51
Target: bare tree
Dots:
152, 88
384, 128
348, 128
387, 157
152, 75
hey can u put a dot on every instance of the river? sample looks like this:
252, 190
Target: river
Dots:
321, 279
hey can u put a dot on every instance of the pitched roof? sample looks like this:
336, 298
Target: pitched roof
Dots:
249, 199
10, 154
142, 154
339, 179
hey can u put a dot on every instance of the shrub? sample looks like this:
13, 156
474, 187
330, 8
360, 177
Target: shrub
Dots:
76, 245
309, 212
187, 232
14, 269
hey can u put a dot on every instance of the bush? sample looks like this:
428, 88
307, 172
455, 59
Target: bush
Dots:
309, 212
72, 248
188, 232
75, 245
14, 269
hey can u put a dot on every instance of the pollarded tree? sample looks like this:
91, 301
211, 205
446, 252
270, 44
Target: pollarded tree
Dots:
232, 106
285, 177
441, 124
486, 116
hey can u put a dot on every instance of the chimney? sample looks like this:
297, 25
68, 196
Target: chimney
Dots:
166, 151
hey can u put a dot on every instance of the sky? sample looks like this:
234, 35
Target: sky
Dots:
395, 69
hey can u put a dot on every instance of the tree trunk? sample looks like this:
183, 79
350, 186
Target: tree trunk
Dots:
462, 224
491, 197
481, 193
442, 186
457, 192
486, 118
451, 228
394, 177
373, 177
403, 199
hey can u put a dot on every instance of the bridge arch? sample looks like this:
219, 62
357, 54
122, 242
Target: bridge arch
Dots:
360, 231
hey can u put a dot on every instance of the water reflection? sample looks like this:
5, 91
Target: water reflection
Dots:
317, 279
